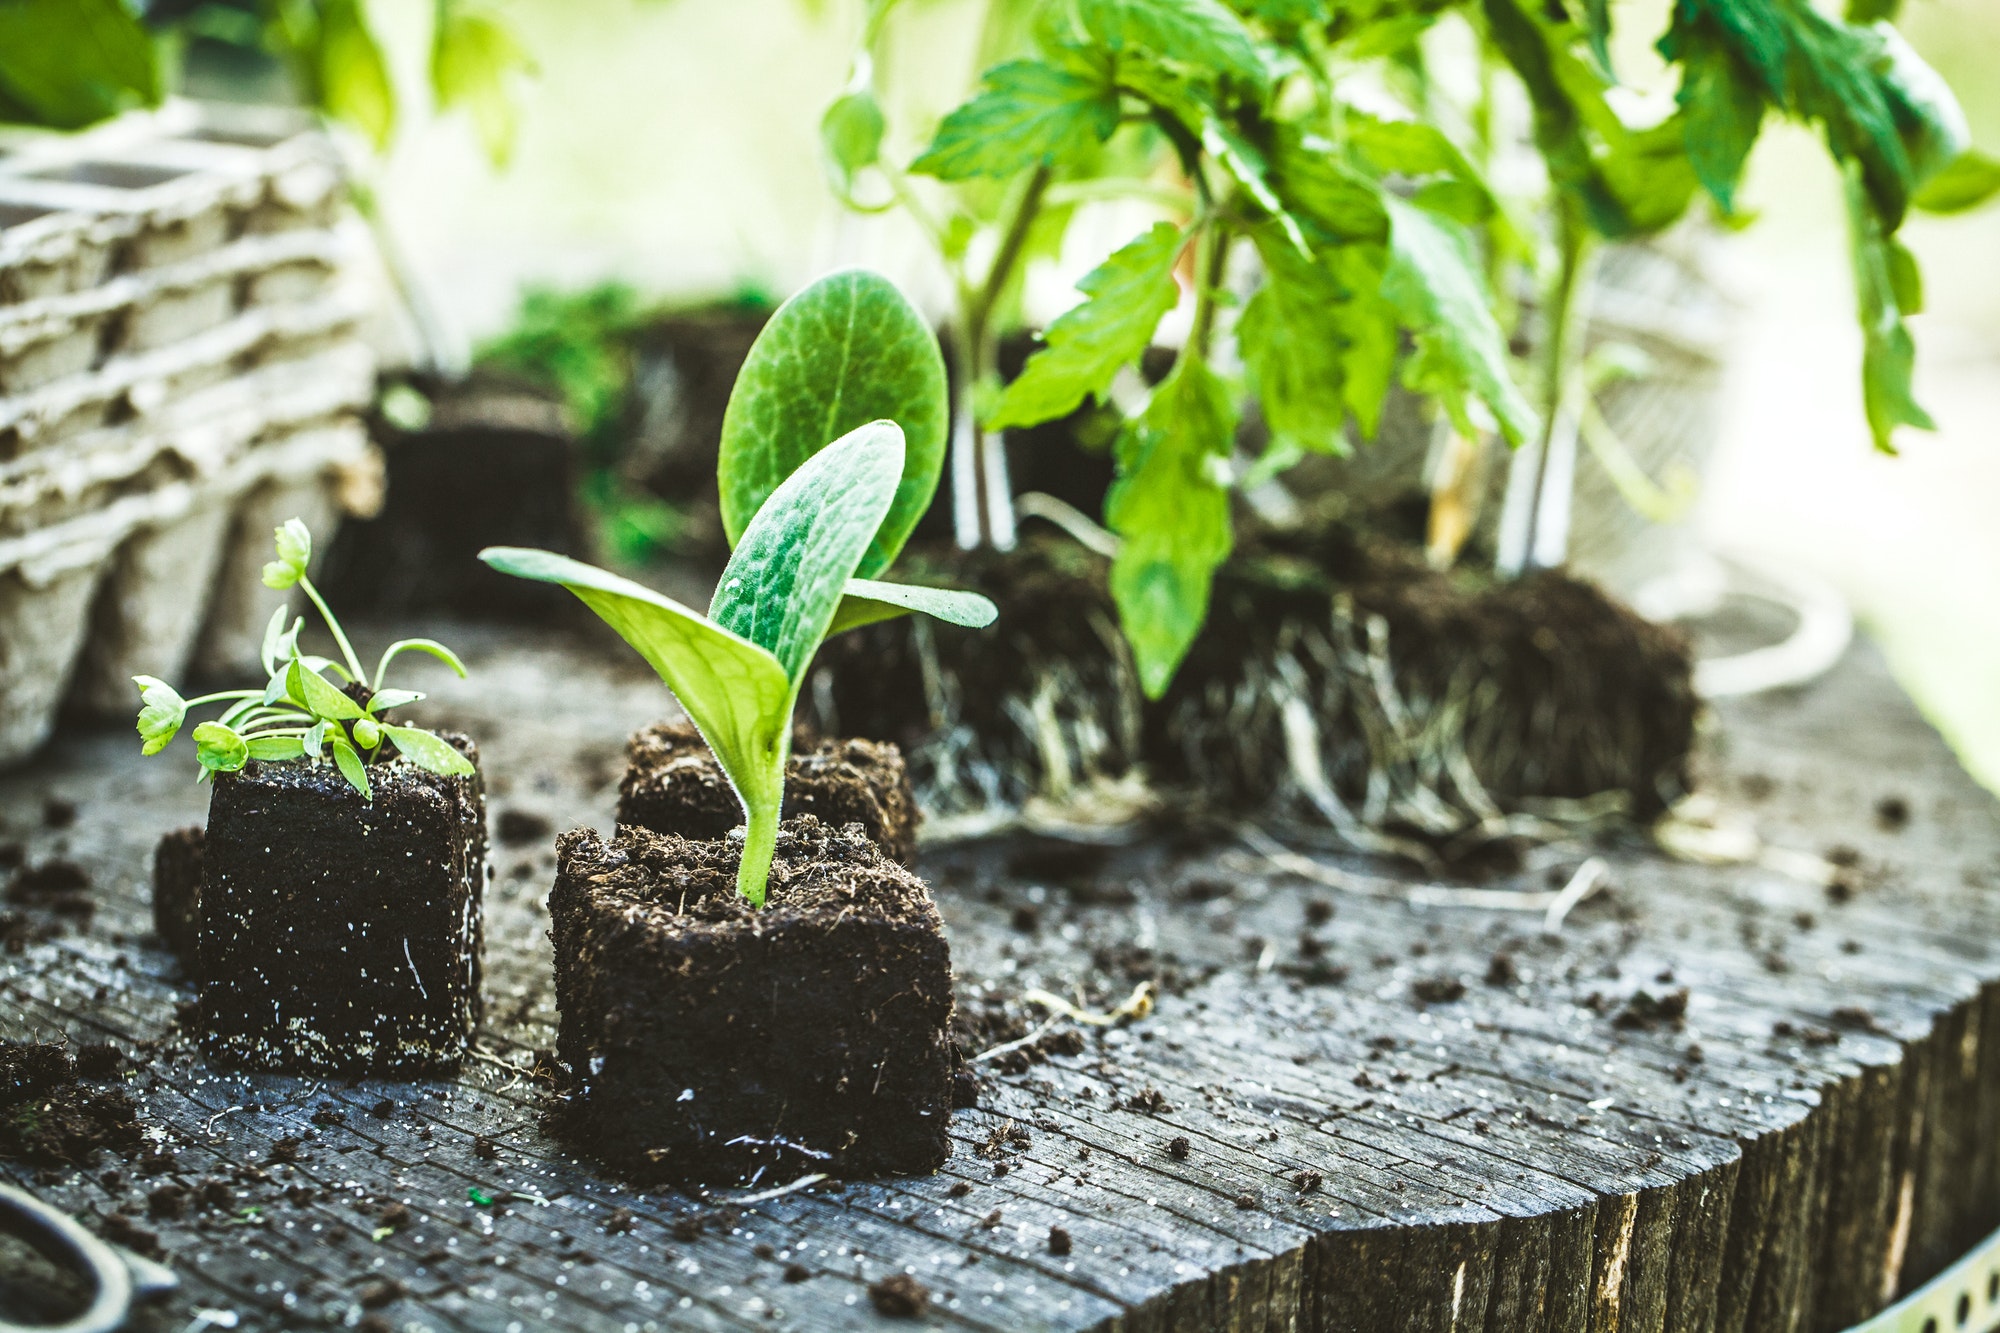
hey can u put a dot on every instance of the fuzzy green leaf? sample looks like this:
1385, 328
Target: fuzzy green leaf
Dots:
161, 713
866, 601
350, 75
736, 692
1889, 354
1722, 113
350, 766
1028, 114
1201, 34
784, 581
1170, 508
1968, 181
848, 350
219, 748
275, 747
1441, 298
428, 750
1085, 348
314, 693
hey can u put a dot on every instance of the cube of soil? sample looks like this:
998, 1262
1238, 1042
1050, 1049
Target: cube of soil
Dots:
337, 935
673, 785
710, 1041
177, 892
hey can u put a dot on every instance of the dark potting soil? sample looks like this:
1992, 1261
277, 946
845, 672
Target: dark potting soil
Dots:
495, 467
1555, 689
708, 1041
337, 935
673, 784
49, 1118
177, 892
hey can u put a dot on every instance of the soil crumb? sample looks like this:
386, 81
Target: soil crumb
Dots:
48, 1118
900, 1296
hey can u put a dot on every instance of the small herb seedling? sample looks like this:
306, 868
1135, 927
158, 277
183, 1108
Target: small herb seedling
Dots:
299, 712
813, 526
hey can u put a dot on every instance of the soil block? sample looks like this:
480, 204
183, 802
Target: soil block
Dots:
1415, 692
48, 1118
337, 935
673, 785
177, 892
711, 1042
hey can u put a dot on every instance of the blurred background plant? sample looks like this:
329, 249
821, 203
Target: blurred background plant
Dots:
673, 146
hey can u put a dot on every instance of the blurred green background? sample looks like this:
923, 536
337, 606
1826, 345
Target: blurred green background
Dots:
672, 144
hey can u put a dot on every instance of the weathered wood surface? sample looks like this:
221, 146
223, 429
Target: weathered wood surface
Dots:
1817, 1135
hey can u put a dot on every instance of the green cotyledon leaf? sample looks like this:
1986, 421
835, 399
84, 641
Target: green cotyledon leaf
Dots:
847, 350
1441, 298
784, 581
1170, 509
1125, 298
1028, 114
736, 693
866, 601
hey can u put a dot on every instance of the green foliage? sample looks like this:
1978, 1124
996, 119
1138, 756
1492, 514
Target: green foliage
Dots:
847, 350
1126, 297
67, 64
1031, 113
299, 713
737, 672
1970, 180
1170, 508
70, 63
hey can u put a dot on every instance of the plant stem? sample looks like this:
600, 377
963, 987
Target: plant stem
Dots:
982, 497
760, 842
1210, 247
339, 635
1535, 530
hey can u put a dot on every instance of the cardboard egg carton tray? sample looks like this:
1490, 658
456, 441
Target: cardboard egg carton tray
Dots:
180, 372
154, 189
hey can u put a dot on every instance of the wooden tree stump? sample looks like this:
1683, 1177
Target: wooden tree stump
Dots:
1416, 1114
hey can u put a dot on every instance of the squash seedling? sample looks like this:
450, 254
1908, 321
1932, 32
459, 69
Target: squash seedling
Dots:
299, 713
812, 522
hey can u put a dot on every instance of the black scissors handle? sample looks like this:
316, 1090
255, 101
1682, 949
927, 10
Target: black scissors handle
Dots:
117, 1276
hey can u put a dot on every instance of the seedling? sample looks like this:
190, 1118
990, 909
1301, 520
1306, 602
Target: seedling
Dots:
299, 713
812, 527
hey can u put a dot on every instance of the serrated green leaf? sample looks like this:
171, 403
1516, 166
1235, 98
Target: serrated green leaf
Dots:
1170, 509
275, 747
1335, 204
66, 64
1201, 34
1314, 344
314, 693
1889, 354
161, 713
1968, 181
1722, 113
350, 766
1084, 349
848, 350
1441, 298
429, 751
784, 581
866, 601
473, 58
1028, 114
737, 693
850, 134
219, 748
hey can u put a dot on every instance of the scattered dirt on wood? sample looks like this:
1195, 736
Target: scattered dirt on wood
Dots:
900, 1296
49, 1118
